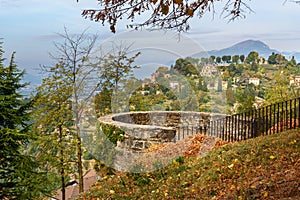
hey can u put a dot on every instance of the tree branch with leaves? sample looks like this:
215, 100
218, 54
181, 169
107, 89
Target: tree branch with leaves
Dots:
75, 54
161, 14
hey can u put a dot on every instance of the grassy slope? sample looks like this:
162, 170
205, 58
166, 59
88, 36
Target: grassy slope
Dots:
262, 168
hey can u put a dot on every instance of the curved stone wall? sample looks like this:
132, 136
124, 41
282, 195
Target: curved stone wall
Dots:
143, 129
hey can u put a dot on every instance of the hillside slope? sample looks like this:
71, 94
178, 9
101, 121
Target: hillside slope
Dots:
262, 168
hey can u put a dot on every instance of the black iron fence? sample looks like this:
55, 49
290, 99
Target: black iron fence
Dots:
268, 120
185, 131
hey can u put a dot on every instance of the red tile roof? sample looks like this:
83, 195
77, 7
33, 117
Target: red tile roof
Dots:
72, 191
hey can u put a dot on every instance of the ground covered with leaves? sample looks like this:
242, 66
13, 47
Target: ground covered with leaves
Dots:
263, 168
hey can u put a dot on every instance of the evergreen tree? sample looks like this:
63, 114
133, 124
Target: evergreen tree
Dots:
252, 57
272, 59
242, 58
19, 175
212, 59
235, 59
218, 60
293, 61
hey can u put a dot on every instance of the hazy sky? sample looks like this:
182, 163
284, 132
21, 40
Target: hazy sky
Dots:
29, 28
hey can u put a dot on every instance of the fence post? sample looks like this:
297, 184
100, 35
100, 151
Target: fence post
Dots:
291, 115
226, 128
274, 118
278, 117
298, 99
295, 113
254, 120
252, 124
244, 125
286, 115
298, 111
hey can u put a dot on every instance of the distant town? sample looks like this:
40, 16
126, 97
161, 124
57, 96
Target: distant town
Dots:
222, 84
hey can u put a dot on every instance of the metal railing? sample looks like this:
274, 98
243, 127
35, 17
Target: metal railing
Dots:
268, 120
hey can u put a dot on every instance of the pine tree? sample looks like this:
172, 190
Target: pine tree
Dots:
19, 178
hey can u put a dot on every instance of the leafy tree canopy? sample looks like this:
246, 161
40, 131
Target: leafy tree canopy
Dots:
165, 14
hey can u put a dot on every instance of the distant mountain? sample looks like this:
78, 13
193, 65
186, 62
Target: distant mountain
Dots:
245, 47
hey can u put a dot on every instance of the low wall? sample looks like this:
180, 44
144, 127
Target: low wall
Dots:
143, 129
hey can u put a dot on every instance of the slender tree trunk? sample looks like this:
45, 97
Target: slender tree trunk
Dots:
79, 154
62, 172
78, 136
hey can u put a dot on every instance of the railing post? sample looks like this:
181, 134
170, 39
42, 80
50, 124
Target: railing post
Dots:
274, 118
229, 130
286, 115
226, 128
298, 112
258, 123
236, 130
295, 113
267, 121
270, 124
291, 115
278, 118
282, 116
244, 125
251, 124
212, 127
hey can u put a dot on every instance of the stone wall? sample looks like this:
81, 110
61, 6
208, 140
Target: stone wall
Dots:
143, 129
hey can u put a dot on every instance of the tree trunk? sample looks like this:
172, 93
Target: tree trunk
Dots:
79, 157
62, 172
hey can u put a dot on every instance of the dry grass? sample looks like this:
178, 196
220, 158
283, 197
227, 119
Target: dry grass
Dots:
262, 168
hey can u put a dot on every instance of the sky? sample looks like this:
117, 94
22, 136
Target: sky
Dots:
31, 28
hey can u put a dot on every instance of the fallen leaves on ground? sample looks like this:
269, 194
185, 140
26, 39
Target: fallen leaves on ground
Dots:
262, 168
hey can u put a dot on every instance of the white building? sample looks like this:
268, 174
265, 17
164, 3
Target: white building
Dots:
209, 70
224, 85
295, 80
174, 84
254, 81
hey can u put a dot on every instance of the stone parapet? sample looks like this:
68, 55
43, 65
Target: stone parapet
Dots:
143, 129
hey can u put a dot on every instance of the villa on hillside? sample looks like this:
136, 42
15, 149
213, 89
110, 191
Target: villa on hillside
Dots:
254, 81
295, 80
154, 76
224, 85
174, 84
209, 71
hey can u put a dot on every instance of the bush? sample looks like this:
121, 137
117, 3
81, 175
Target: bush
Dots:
113, 133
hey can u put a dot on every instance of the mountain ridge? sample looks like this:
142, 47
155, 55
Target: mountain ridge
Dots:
245, 47
241, 48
